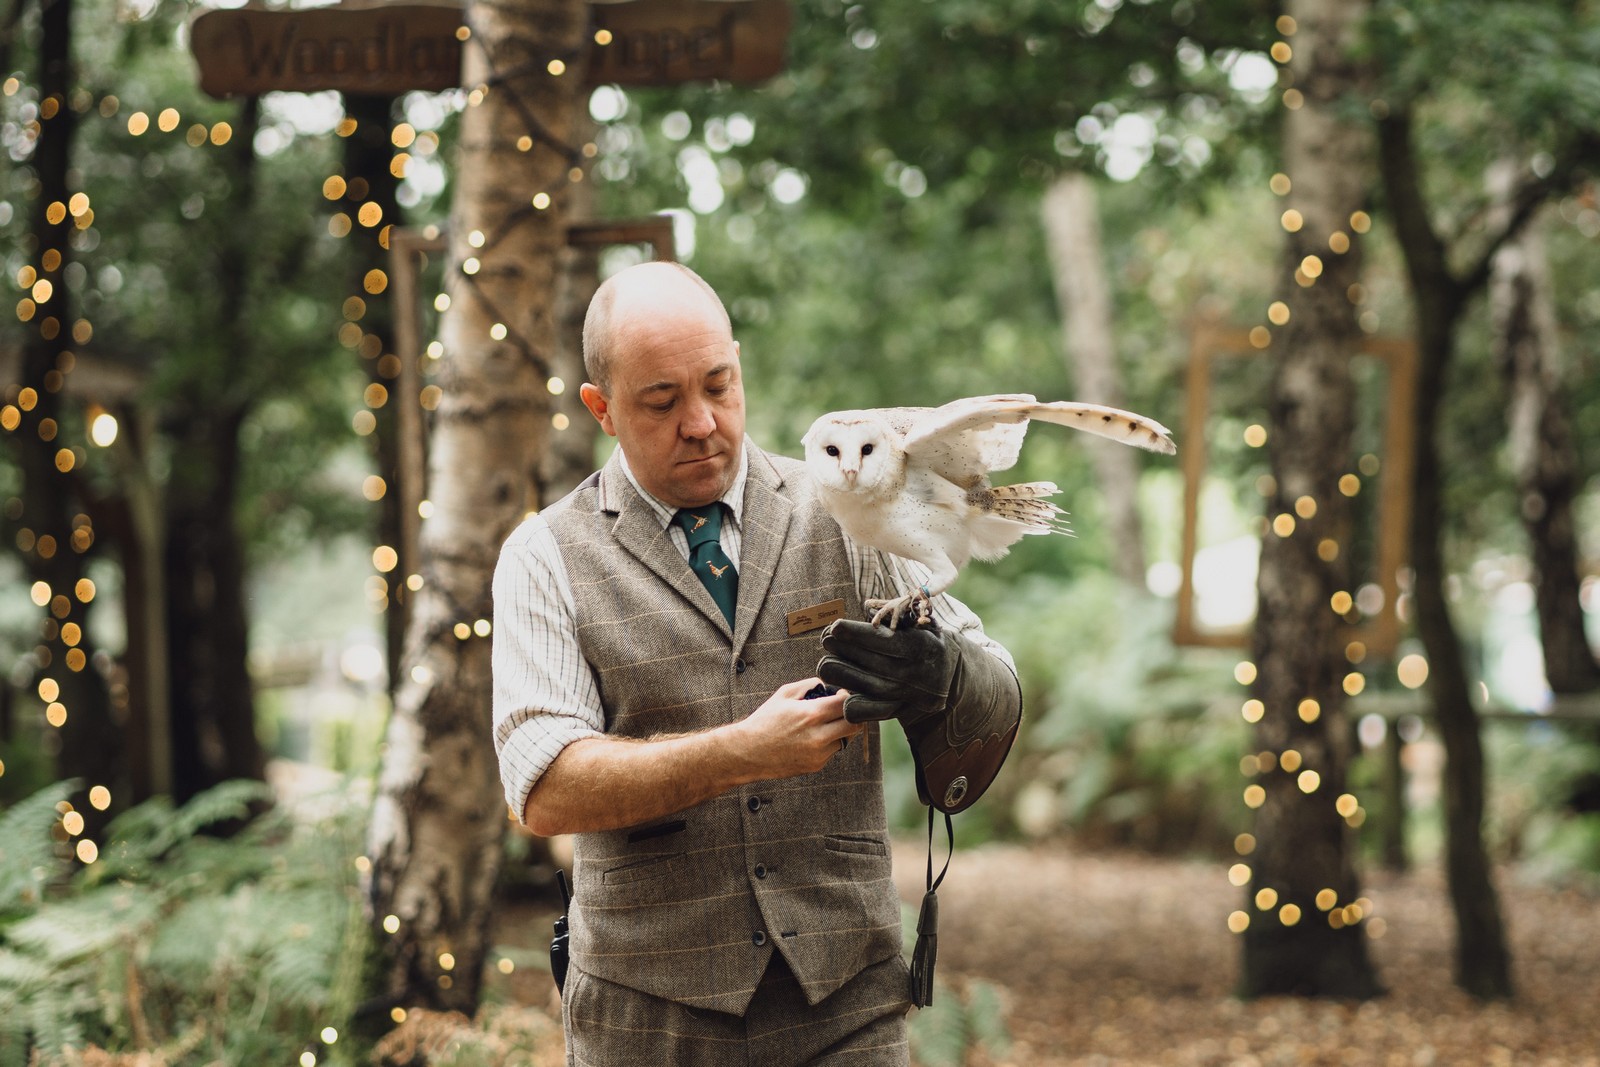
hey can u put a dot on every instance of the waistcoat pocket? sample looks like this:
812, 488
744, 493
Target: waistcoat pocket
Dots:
858, 846
642, 870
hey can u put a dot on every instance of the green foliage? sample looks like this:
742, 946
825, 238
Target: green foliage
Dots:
965, 1015
200, 948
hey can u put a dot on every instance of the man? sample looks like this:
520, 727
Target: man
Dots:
656, 634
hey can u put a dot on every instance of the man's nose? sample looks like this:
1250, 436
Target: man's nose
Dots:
698, 419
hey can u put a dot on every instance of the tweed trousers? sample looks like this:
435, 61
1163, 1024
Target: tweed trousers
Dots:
863, 1024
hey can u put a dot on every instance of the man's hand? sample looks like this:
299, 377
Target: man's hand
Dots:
891, 674
790, 735
959, 705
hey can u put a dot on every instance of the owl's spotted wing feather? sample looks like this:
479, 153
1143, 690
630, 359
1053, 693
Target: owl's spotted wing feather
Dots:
939, 434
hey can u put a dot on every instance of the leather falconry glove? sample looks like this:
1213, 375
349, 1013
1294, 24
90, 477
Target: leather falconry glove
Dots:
959, 705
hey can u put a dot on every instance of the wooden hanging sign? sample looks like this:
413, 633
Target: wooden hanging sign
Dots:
384, 47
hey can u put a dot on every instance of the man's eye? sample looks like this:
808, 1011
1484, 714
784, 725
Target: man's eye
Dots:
833, 450
866, 450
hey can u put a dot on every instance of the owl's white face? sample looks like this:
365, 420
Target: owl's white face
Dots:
852, 454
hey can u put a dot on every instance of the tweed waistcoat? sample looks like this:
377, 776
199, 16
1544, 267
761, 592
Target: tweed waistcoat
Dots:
691, 907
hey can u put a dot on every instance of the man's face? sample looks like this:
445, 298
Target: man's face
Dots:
676, 405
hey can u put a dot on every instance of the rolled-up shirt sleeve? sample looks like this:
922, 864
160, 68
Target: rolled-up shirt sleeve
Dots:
544, 693
882, 576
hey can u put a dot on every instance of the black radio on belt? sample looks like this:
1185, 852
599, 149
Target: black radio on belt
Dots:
558, 943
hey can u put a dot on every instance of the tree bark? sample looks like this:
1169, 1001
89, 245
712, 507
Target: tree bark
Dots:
570, 458
1483, 963
1298, 941
213, 699
1071, 214
435, 837
1544, 455
368, 153
89, 738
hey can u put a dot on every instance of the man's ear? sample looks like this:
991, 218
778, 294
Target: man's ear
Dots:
595, 401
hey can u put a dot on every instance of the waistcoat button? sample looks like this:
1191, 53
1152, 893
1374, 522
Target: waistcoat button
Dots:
738, 666
754, 803
758, 938
761, 870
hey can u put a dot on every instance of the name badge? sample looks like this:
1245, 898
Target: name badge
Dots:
815, 617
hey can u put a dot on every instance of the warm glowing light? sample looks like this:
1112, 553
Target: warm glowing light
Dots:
375, 282
375, 395
72, 823
138, 123
1254, 796
1305, 507
471, 265
370, 214
65, 460
556, 386
100, 798
221, 134
49, 689
447, 961
1253, 710
1413, 671
1311, 267
556, 68
56, 714
1349, 484
1266, 898
339, 225
373, 487
329, 1035
1238, 922
1341, 602
462, 631
1346, 806
1278, 313
397, 1014
560, 421
364, 422
1249, 766
1244, 672
1309, 781
430, 396
414, 582
1290, 760
1292, 220
1356, 818
1293, 99
84, 590
1310, 710
40, 593
1283, 525
1289, 914
1360, 222
1280, 184
385, 559
541, 200
1355, 652
1282, 52
498, 331
505, 966
1338, 242
391, 924
1244, 844
481, 628
403, 135
308, 1059
87, 851
1239, 874
1260, 337
1354, 683
524, 143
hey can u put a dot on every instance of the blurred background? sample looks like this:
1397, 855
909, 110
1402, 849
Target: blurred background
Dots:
1346, 251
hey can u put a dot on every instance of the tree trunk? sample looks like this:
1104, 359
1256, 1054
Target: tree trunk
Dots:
213, 700
570, 458
1483, 964
1071, 213
89, 738
1302, 937
435, 837
368, 154
1544, 456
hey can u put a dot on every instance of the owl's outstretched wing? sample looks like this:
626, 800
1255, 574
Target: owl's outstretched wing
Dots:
965, 439
961, 441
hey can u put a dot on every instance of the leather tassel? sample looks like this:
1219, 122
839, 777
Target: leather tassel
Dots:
926, 952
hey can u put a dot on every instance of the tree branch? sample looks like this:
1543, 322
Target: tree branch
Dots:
1524, 202
1401, 174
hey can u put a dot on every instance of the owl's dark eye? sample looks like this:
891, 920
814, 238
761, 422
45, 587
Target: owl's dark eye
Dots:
833, 450
866, 450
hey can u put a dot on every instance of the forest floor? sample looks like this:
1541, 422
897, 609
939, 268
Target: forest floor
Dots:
1121, 960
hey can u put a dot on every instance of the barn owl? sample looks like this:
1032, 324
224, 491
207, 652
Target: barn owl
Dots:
914, 482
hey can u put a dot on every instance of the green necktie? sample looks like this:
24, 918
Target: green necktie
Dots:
706, 558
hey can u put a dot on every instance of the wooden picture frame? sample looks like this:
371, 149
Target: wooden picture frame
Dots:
1211, 343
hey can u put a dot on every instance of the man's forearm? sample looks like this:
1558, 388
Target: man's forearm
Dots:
604, 783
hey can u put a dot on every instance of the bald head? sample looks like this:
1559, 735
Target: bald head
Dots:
636, 297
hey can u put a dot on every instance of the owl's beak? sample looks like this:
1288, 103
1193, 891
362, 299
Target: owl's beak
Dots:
850, 474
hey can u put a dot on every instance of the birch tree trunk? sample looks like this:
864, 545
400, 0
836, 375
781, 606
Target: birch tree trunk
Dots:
1071, 213
1544, 459
435, 839
1302, 936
